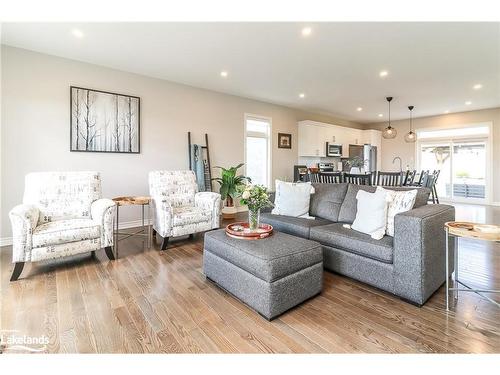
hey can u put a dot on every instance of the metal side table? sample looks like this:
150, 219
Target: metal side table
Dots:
145, 231
458, 230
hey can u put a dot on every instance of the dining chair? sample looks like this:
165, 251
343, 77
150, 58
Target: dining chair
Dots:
389, 178
357, 179
313, 177
434, 183
428, 182
330, 177
409, 177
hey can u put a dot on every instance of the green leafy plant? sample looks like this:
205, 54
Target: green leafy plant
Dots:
229, 183
356, 162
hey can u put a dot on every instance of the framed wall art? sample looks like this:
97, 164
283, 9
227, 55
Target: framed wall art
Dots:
104, 121
284, 140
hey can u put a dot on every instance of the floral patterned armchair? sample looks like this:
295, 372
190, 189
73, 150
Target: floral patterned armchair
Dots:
179, 209
62, 214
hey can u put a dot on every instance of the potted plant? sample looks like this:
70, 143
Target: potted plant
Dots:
229, 183
356, 164
255, 197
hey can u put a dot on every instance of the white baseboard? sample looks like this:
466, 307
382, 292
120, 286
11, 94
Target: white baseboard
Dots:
7, 241
495, 204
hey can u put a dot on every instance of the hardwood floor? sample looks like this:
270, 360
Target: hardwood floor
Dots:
159, 302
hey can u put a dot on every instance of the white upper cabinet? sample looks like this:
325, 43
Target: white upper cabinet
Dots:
314, 135
312, 139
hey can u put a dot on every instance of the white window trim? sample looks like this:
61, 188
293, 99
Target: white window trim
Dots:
489, 155
260, 135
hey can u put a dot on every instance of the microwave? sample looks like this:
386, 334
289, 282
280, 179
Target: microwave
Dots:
333, 150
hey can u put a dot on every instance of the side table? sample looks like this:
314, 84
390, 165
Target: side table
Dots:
132, 201
457, 230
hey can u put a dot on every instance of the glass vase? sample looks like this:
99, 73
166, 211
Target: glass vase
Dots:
253, 219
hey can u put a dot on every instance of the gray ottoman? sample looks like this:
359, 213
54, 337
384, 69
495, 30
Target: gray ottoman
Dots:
270, 275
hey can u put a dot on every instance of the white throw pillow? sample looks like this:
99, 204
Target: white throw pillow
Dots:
400, 201
371, 217
292, 199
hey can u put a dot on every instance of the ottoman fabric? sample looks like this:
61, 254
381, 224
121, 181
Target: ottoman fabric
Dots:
270, 275
268, 259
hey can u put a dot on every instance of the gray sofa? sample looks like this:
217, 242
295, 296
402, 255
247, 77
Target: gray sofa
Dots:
411, 265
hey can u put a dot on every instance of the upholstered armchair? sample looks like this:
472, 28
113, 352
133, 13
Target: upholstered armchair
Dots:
62, 214
179, 209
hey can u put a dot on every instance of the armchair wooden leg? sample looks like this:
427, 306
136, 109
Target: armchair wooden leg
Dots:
109, 252
191, 236
92, 254
18, 268
164, 244
153, 232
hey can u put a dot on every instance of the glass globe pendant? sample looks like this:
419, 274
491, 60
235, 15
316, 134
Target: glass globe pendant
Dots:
389, 132
411, 136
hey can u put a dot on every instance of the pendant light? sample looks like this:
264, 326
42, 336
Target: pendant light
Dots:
389, 132
410, 137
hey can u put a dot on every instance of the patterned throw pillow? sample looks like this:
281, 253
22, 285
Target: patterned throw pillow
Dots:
400, 201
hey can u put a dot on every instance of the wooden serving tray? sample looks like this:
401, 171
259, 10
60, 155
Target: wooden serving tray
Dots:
241, 231
471, 230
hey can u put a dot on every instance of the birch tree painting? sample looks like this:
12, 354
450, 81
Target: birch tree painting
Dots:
104, 122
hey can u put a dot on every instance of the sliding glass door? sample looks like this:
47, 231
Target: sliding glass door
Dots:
463, 164
437, 157
469, 170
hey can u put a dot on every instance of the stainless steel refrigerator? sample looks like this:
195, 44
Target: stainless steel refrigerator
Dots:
366, 152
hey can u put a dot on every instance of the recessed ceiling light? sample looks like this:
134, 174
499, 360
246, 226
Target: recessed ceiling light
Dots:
383, 73
359, 109
302, 95
380, 115
477, 86
447, 111
223, 74
468, 102
77, 33
306, 31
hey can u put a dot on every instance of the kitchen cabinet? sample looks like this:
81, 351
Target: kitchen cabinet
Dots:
313, 135
312, 140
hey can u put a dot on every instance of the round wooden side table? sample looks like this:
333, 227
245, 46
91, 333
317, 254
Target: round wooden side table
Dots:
456, 229
133, 201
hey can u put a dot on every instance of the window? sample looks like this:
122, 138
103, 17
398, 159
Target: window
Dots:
258, 149
450, 133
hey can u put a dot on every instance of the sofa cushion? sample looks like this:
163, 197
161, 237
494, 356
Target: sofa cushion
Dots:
296, 226
336, 236
327, 200
64, 231
347, 212
268, 259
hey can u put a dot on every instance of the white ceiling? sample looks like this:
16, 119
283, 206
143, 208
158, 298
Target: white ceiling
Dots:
432, 66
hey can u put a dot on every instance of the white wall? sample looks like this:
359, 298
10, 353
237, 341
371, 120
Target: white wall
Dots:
35, 126
398, 147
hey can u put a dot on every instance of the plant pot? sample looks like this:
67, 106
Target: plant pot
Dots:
355, 170
229, 210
